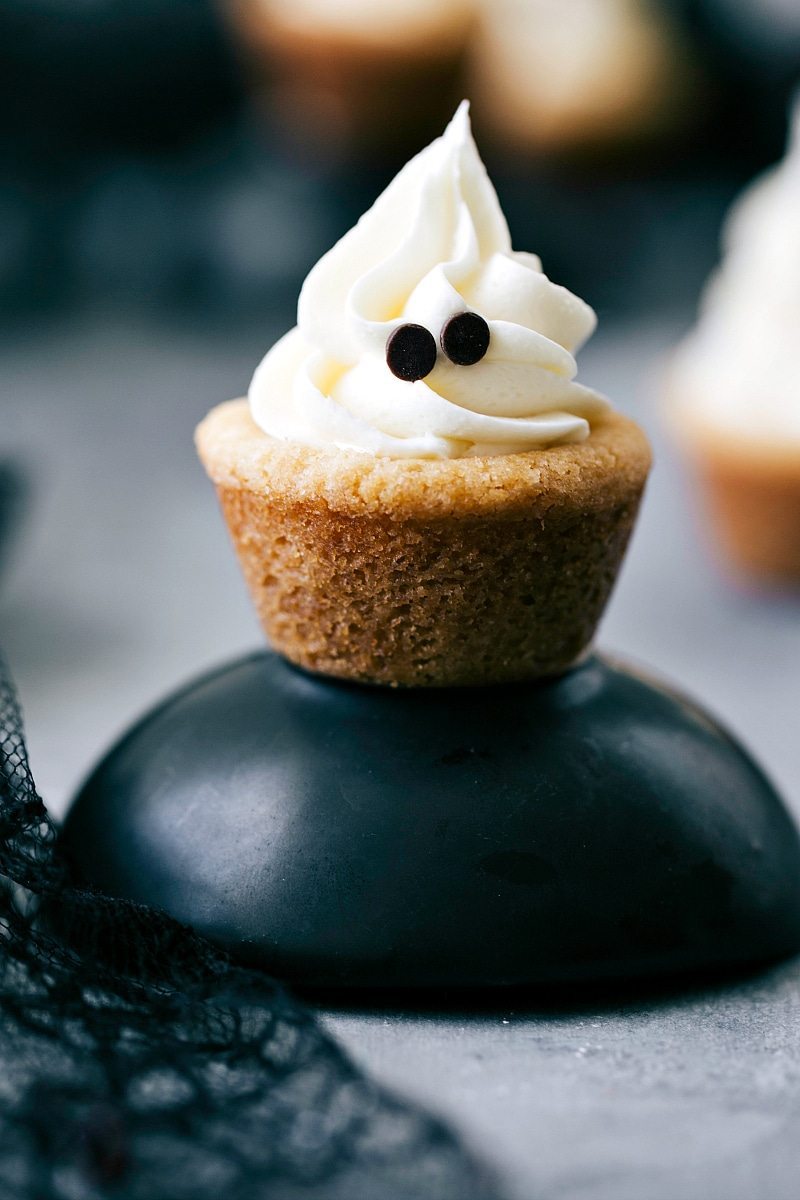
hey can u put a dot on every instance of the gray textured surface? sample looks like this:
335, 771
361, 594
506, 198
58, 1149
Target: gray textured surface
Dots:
123, 586
691, 1099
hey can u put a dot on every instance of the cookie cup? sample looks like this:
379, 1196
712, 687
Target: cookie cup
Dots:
347, 88
751, 493
427, 573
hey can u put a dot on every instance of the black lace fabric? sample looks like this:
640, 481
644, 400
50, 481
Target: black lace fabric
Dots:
137, 1063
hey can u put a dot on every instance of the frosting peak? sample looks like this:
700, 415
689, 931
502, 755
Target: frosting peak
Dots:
434, 244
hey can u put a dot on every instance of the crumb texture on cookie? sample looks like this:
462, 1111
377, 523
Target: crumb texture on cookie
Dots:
421, 572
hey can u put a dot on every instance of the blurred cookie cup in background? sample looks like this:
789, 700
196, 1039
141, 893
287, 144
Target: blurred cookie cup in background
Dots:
751, 496
352, 76
733, 386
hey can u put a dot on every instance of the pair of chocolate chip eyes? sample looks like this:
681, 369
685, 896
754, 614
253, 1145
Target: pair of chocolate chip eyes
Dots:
411, 349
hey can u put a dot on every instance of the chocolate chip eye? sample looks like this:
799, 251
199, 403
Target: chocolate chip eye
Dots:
465, 338
411, 352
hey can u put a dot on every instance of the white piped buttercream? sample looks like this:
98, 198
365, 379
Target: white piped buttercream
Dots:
738, 371
434, 244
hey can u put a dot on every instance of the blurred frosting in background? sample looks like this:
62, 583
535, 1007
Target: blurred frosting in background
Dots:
558, 76
200, 154
740, 367
734, 384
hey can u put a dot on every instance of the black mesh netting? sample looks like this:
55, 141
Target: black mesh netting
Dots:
137, 1063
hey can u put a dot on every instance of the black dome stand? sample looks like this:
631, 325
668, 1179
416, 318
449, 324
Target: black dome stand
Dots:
596, 827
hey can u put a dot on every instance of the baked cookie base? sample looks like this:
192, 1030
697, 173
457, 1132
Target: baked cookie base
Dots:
755, 512
750, 490
427, 573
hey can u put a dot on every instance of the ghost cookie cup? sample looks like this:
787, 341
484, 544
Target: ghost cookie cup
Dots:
733, 385
418, 490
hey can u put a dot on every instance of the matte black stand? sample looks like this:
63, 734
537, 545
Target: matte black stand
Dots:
594, 827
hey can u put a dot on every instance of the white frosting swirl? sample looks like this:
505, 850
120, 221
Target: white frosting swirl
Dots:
434, 244
738, 371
